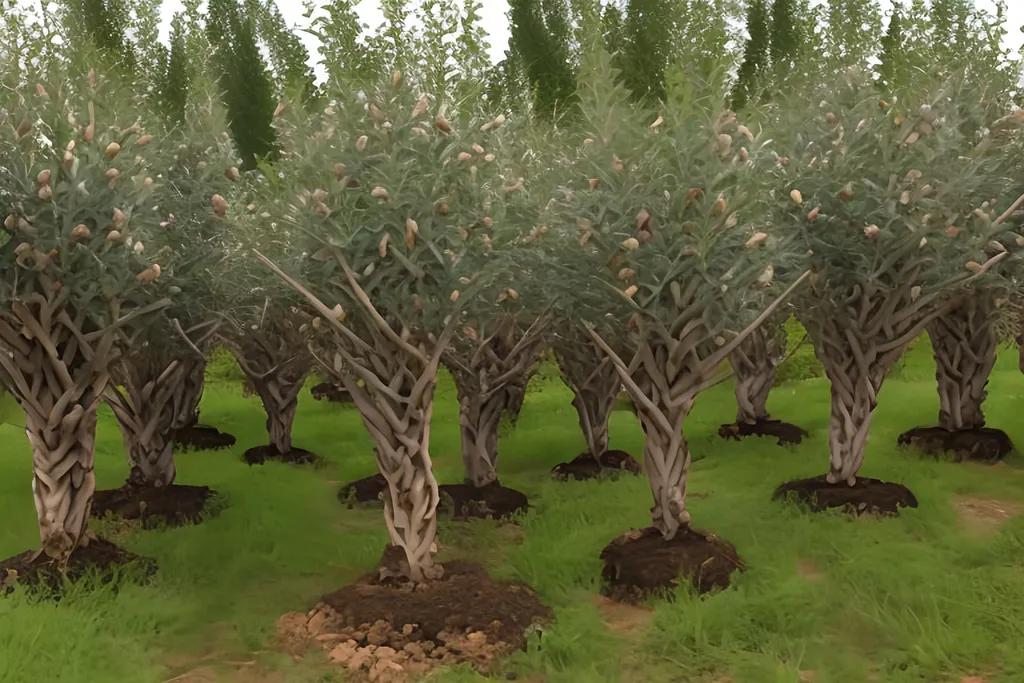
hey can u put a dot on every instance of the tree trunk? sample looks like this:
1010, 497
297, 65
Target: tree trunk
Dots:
594, 402
479, 421
186, 403
754, 361
280, 396
667, 463
63, 481
964, 345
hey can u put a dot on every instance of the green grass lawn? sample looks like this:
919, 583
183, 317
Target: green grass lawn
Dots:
924, 597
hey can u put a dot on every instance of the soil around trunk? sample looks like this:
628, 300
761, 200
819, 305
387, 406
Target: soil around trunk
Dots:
867, 496
584, 466
465, 501
203, 438
784, 432
364, 491
388, 631
978, 445
155, 507
335, 393
101, 560
641, 564
296, 456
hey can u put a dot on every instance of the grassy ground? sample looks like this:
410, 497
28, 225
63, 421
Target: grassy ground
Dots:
935, 595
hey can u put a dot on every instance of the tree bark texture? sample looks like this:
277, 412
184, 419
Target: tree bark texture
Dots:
186, 402
276, 366
490, 376
54, 364
155, 384
857, 342
964, 344
754, 363
595, 385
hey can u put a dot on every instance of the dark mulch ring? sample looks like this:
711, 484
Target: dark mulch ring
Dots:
364, 491
640, 564
203, 438
980, 445
296, 456
335, 393
784, 432
584, 466
465, 501
100, 560
155, 506
867, 496
391, 633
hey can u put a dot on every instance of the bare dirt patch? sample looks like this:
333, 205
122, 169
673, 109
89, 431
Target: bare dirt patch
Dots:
622, 618
982, 516
809, 569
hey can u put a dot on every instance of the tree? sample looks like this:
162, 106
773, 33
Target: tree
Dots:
287, 53
892, 204
755, 55
403, 223
892, 47
540, 33
785, 36
177, 77
648, 31
673, 273
80, 181
248, 91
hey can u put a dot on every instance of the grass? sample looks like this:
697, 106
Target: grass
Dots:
918, 598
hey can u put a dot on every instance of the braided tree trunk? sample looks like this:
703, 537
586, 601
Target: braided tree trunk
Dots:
276, 368
595, 385
964, 345
490, 376
754, 363
186, 401
57, 374
147, 412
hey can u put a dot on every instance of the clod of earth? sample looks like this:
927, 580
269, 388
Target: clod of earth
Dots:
867, 496
394, 632
173, 505
494, 501
100, 560
296, 456
366, 491
785, 432
641, 564
584, 466
203, 438
979, 445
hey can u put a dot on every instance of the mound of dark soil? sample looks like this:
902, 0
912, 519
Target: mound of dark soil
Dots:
465, 501
296, 456
335, 393
867, 496
979, 445
784, 432
390, 633
154, 506
203, 438
364, 491
584, 466
641, 564
100, 559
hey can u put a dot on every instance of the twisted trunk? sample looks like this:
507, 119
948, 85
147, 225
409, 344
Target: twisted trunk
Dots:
280, 397
479, 421
754, 362
964, 345
595, 385
667, 463
147, 411
186, 402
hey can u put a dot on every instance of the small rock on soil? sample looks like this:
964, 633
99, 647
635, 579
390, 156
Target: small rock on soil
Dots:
335, 393
100, 559
391, 633
465, 501
203, 438
978, 445
363, 491
641, 564
296, 456
784, 432
584, 466
154, 506
867, 496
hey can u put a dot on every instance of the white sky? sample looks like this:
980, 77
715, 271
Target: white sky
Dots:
496, 23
